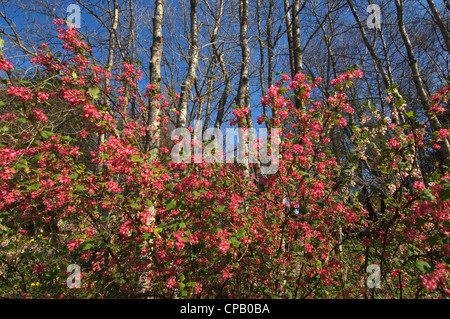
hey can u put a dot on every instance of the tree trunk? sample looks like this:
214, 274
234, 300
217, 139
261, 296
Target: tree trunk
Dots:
417, 79
287, 18
188, 83
155, 73
438, 20
242, 98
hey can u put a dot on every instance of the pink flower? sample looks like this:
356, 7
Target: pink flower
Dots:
283, 114
436, 146
198, 288
260, 119
358, 74
5, 65
293, 85
39, 115
300, 77
171, 283
443, 133
342, 122
59, 21
394, 143
23, 93
420, 186
39, 268
273, 91
83, 134
43, 96
286, 78
73, 243
265, 100
281, 102
437, 109
224, 246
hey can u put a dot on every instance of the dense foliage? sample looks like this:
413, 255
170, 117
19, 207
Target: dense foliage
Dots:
142, 226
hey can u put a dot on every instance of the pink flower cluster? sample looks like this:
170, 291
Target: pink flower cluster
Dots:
346, 76
39, 115
437, 278
74, 96
5, 65
240, 114
23, 93
443, 133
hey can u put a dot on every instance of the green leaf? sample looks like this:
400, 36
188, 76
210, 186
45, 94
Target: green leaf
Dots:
94, 92
146, 236
423, 266
241, 233
234, 241
47, 134
134, 205
427, 194
24, 82
87, 246
182, 225
171, 205
410, 114
191, 284
79, 187
2, 42
197, 194
34, 187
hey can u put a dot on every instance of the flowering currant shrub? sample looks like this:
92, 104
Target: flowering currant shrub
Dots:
142, 226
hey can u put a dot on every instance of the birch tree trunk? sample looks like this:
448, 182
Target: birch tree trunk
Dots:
155, 73
242, 98
188, 82
287, 18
